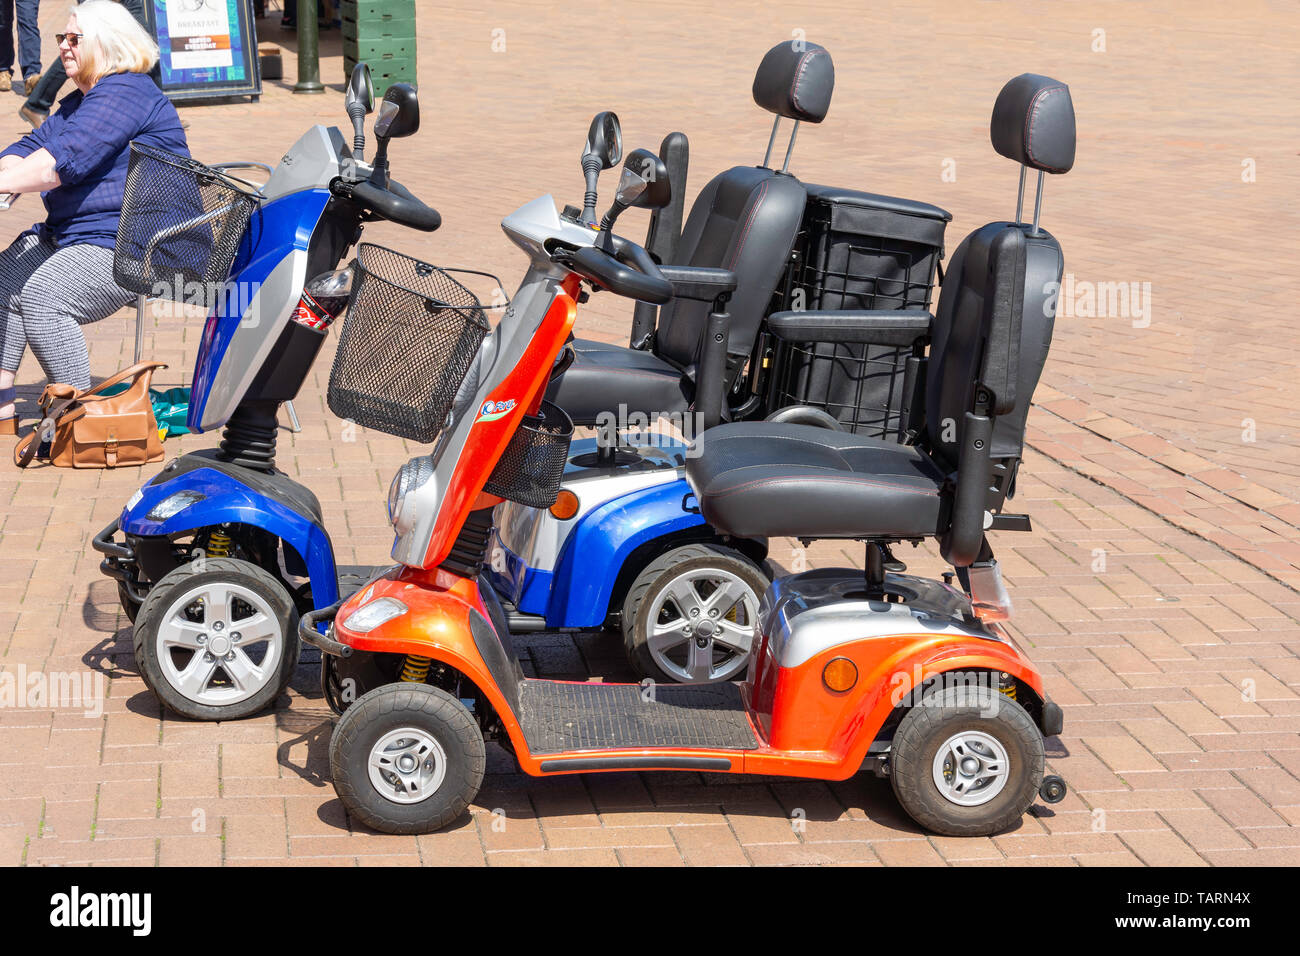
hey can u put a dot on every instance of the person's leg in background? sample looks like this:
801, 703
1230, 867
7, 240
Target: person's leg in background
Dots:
36, 109
72, 288
17, 264
29, 42
136, 9
6, 45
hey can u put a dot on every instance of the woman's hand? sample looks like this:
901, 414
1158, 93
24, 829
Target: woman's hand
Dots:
33, 173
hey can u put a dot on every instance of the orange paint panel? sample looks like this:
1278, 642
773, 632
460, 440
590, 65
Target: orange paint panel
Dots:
524, 386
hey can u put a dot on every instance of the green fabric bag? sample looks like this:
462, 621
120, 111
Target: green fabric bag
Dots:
170, 408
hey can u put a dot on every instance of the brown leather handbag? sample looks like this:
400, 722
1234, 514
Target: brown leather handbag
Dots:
87, 429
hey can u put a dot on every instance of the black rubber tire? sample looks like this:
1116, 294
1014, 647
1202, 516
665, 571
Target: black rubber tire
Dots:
636, 610
198, 572
388, 708
942, 713
129, 605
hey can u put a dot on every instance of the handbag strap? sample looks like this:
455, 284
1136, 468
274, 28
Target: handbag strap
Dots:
126, 373
26, 449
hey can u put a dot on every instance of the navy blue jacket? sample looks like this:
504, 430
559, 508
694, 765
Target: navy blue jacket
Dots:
89, 138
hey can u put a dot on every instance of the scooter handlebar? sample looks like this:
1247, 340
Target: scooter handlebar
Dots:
628, 271
396, 204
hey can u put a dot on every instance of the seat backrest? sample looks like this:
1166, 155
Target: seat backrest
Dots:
997, 307
992, 329
746, 219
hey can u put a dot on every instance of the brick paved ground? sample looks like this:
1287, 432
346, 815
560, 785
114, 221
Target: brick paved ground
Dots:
1158, 591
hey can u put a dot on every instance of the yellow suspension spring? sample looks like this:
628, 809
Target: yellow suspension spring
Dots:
218, 545
415, 668
1007, 685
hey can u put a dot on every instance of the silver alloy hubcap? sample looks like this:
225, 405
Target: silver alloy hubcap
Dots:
407, 765
219, 643
702, 625
971, 768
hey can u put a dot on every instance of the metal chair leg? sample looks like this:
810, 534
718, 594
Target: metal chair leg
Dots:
293, 418
139, 326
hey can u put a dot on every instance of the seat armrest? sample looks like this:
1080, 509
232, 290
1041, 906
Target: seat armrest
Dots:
700, 283
873, 326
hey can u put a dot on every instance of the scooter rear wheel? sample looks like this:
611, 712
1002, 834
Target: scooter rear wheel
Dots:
217, 639
966, 761
407, 758
691, 615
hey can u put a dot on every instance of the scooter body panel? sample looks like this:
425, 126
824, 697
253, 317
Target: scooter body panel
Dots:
259, 297
802, 728
225, 493
899, 651
598, 548
566, 570
445, 614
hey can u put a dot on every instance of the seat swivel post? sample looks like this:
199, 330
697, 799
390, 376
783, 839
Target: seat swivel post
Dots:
875, 572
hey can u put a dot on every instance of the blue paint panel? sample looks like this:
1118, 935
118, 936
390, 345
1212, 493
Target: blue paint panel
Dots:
228, 499
275, 231
603, 540
529, 590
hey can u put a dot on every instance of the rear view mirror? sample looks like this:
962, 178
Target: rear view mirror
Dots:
399, 112
361, 91
644, 182
604, 140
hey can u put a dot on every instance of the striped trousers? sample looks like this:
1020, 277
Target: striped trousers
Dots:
46, 294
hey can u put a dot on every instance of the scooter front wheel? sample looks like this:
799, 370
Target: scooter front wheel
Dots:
407, 758
966, 760
217, 639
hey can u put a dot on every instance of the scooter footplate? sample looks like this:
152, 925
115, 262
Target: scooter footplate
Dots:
562, 717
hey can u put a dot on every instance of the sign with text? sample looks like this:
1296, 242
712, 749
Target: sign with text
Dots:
208, 48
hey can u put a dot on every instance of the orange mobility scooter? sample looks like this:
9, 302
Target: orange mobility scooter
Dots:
912, 678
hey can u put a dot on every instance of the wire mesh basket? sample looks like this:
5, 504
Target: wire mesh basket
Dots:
411, 334
180, 227
861, 386
532, 466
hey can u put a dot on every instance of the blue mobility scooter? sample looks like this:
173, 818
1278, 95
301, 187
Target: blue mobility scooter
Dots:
204, 553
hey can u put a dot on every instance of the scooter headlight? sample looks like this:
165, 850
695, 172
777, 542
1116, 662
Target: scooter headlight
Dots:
409, 477
368, 617
174, 504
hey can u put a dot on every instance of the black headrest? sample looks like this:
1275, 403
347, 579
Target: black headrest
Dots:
795, 80
1033, 123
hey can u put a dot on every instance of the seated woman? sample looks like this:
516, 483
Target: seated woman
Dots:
58, 275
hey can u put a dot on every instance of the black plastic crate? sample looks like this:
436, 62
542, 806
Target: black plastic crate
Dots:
860, 386
859, 250
856, 250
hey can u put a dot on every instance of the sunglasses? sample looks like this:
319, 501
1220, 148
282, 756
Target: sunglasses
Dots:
72, 38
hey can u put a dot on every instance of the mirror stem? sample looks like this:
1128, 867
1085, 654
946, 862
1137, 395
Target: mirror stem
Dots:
591, 174
380, 175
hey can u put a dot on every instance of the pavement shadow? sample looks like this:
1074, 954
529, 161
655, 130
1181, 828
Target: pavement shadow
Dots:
311, 730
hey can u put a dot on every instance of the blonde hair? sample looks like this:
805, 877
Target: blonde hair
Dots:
114, 42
